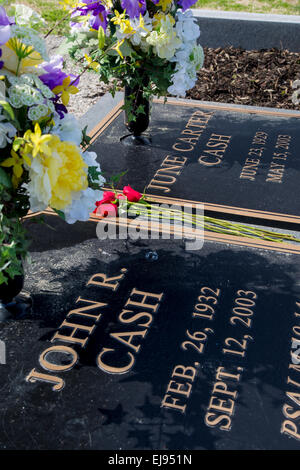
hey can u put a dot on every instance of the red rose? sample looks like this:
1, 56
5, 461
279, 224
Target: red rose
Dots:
107, 210
108, 196
103, 207
131, 194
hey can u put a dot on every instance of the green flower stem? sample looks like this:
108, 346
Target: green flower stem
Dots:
211, 224
88, 66
18, 67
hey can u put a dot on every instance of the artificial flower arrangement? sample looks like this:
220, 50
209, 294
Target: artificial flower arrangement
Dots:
144, 45
42, 163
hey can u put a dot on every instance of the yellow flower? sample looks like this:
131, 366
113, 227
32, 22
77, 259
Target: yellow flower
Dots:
93, 65
36, 142
119, 17
124, 24
56, 176
16, 162
165, 4
142, 23
16, 65
117, 48
65, 89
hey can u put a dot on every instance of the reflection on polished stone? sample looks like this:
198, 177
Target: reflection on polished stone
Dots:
173, 350
242, 162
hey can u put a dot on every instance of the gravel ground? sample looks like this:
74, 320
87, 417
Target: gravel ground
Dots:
90, 87
229, 75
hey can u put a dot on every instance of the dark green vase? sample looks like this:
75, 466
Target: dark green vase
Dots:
142, 120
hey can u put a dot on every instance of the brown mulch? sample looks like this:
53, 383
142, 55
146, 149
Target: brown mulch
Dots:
257, 78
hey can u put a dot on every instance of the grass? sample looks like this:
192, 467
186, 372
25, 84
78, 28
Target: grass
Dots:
52, 11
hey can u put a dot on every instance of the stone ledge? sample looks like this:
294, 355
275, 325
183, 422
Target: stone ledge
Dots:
248, 30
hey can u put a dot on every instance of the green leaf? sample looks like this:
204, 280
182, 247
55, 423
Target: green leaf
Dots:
17, 144
60, 213
7, 107
101, 38
126, 49
5, 179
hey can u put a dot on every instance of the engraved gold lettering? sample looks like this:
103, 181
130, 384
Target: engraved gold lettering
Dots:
146, 296
177, 387
35, 376
123, 317
71, 338
212, 420
80, 311
183, 372
114, 369
221, 387
221, 375
51, 366
173, 403
105, 281
290, 428
130, 335
226, 406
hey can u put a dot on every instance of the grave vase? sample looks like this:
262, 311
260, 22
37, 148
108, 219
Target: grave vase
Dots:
141, 122
13, 302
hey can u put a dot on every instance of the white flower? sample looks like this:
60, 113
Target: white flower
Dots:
68, 129
189, 57
164, 40
186, 26
39, 187
31, 38
197, 57
37, 112
140, 32
82, 205
7, 132
90, 159
25, 16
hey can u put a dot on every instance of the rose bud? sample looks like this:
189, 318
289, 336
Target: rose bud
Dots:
108, 196
107, 210
131, 194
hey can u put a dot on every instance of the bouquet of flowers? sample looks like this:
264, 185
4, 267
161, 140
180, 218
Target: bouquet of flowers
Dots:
148, 45
42, 163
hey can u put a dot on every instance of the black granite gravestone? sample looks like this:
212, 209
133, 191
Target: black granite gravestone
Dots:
143, 345
236, 161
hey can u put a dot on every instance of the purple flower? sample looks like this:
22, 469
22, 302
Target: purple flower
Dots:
1, 61
185, 4
99, 20
54, 75
75, 24
134, 7
60, 108
98, 14
5, 23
